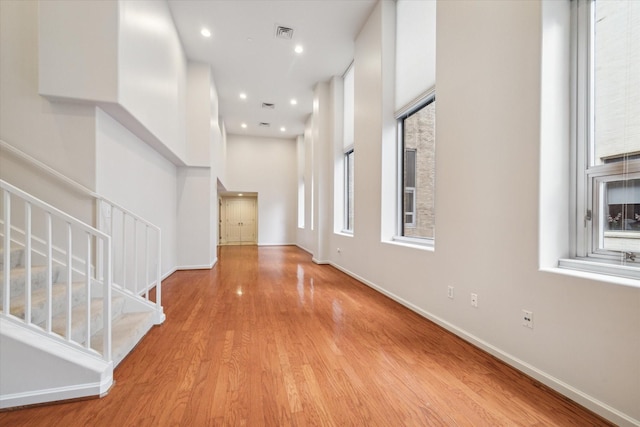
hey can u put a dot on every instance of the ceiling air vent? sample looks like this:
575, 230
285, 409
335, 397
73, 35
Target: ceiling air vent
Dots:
268, 106
284, 32
264, 125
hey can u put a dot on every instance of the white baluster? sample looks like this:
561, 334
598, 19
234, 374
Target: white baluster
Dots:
112, 234
7, 252
106, 344
159, 275
87, 273
69, 281
135, 256
27, 262
49, 257
146, 262
124, 251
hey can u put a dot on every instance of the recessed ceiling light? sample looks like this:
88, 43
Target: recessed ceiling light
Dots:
244, 126
298, 49
294, 101
205, 32
282, 129
243, 95
240, 194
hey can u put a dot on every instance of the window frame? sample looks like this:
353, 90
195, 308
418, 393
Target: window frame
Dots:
408, 189
419, 103
588, 178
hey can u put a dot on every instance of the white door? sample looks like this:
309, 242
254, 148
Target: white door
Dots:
241, 221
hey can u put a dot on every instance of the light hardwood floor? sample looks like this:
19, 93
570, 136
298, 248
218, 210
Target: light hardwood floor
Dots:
267, 338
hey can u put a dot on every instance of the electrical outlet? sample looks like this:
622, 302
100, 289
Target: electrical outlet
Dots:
527, 318
474, 300
450, 292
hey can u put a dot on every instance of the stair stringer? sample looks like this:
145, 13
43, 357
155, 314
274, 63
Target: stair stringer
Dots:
35, 368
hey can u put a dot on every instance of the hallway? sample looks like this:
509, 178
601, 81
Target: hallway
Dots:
267, 338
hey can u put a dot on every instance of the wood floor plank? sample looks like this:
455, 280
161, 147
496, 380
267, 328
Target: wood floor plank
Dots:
268, 338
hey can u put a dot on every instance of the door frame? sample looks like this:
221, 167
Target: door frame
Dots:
223, 219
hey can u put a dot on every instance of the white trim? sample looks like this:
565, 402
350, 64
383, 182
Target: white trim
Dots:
556, 384
277, 244
169, 273
56, 394
303, 248
598, 271
416, 103
197, 266
413, 242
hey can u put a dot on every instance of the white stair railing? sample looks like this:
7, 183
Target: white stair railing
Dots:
142, 239
16, 201
133, 246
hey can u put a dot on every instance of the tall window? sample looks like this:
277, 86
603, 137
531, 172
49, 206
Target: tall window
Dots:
348, 147
417, 145
348, 189
607, 137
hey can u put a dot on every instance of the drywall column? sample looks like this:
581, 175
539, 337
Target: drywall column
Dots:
322, 171
197, 182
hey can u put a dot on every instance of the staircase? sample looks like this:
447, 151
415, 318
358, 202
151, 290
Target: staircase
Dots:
128, 328
74, 300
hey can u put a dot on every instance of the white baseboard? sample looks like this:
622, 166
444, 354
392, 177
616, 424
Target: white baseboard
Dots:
319, 261
198, 266
169, 273
304, 249
277, 244
556, 384
56, 394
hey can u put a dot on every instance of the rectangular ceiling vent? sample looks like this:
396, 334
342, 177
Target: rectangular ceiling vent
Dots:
264, 125
284, 32
268, 106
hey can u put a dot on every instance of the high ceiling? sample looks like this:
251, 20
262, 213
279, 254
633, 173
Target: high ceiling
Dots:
247, 57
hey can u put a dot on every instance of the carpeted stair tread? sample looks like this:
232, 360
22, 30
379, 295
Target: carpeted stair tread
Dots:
38, 278
16, 257
39, 301
127, 330
78, 316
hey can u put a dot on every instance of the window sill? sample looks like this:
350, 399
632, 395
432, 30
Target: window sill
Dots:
597, 270
346, 233
421, 244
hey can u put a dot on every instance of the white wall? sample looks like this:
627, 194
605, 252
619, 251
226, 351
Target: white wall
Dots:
132, 174
83, 67
124, 56
305, 236
585, 342
322, 135
57, 134
200, 114
196, 224
197, 183
266, 166
152, 71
